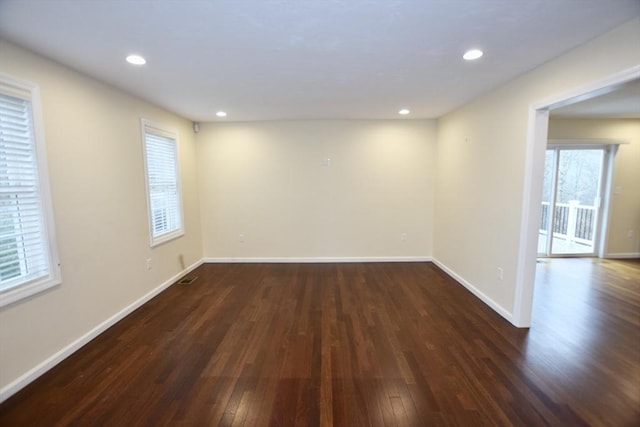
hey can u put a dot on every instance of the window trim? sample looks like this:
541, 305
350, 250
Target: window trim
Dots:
23, 89
147, 126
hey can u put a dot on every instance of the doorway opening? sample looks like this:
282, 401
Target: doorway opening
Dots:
534, 173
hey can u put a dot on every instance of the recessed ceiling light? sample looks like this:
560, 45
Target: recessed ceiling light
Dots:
404, 112
221, 114
472, 54
136, 60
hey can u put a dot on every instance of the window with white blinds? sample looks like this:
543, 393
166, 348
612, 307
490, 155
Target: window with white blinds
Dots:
28, 262
163, 184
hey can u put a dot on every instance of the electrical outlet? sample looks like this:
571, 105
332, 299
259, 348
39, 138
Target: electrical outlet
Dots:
630, 234
403, 237
241, 238
149, 263
500, 273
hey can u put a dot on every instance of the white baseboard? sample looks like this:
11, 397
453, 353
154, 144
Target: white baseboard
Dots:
22, 381
491, 303
311, 260
623, 255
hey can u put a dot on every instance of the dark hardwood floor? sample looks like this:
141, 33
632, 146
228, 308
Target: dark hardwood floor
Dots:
355, 345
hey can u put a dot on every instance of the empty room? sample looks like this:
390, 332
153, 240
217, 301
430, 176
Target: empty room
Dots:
319, 213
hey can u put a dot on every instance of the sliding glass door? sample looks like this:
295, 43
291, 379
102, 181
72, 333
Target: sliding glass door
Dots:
571, 202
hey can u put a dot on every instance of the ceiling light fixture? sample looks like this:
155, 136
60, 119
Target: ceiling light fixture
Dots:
404, 112
472, 54
221, 114
136, 60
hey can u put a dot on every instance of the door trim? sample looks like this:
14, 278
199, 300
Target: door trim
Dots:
537, 132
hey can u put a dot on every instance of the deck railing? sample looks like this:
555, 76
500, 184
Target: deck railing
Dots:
572, 221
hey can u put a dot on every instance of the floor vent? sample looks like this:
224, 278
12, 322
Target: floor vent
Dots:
187, 280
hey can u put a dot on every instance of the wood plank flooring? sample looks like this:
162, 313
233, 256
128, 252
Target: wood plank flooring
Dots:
355, 345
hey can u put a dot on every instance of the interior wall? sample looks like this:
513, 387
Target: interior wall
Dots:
271, 182
481, 164
94, 153
625, 201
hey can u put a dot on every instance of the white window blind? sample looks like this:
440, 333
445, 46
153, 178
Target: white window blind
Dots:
25, 255
163, 187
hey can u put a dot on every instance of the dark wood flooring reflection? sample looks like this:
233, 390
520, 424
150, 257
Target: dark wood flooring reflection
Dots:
355, 345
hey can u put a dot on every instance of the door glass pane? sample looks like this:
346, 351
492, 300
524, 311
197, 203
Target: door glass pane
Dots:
547, 194
577, 201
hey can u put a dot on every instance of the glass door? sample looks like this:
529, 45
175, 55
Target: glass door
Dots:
571, 201
548, 201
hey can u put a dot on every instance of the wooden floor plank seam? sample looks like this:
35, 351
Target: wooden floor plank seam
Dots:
381, 344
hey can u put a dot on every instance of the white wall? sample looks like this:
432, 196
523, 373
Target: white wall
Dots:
482, 161
267, 181
92, 132
625, 203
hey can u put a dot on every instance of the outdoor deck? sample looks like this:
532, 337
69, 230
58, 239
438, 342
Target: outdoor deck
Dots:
561, 246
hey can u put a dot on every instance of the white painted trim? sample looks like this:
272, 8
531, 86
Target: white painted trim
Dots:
604, 221
582, 143
308, 260
484, 298
532, 190
622, 255
531, 197
31, 92
588, 91
149, 127
31, 375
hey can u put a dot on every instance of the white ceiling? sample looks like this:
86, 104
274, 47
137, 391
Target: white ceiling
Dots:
307, 59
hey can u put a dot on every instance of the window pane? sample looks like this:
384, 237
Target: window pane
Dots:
23, 243
162, 184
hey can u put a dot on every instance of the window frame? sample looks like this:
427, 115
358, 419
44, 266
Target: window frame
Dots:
149, 127
22, 89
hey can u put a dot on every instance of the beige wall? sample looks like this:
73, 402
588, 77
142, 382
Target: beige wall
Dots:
482, 160
625, 203
92, 132
267, 181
